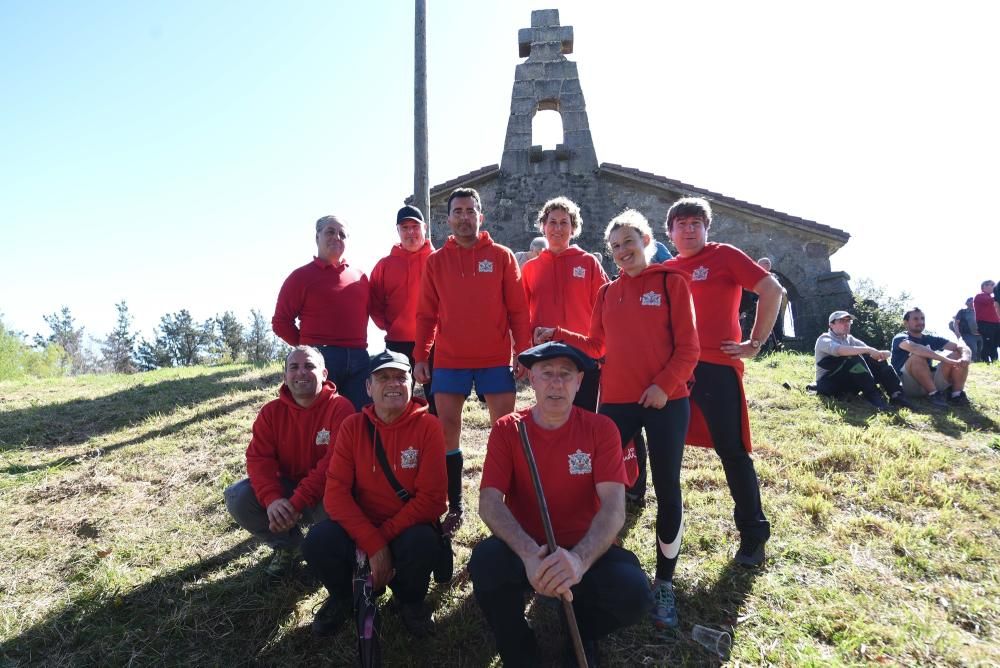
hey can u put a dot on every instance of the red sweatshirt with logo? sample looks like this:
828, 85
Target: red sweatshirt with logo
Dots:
394, 290
471, 301
293, 442
645, 327
330, 302
359, 496
561, 289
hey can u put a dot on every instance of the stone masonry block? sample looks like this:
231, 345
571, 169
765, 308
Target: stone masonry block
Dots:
548, 89
544, 18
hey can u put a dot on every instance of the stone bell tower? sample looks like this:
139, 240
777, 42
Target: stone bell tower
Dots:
547, 81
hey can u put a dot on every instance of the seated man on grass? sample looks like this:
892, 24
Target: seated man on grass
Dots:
913, 355
579, 458
287, 458
846, 365
385, 490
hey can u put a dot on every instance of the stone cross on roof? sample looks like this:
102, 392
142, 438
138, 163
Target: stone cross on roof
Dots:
547, 81
545, 38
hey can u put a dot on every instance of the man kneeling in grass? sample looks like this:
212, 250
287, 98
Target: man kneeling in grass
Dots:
579, 458
287, 458
385, 490
913, 355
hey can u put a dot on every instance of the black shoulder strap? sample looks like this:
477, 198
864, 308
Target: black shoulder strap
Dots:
384, 461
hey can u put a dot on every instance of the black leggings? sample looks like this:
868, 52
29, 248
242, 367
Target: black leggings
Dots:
717, 394
665, 429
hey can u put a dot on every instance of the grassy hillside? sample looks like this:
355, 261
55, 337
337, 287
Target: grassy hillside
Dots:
886, 545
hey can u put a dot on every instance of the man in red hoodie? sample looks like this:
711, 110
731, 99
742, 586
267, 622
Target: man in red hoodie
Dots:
287, 458
471, 304
365, 510
395, 286
329, 298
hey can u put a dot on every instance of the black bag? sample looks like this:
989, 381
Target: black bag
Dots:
444, 565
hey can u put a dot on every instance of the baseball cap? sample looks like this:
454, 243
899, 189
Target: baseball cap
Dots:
837, 315
552, 349
409, 213
387, 359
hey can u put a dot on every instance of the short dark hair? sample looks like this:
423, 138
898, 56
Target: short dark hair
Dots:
985, 283
911, 311
465, 192
690, 206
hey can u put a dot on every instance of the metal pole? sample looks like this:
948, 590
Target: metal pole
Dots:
550, 538
421, 177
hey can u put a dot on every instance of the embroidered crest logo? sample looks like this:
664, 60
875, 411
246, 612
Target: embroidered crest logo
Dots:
579, 463
323, 437
651, 298
408, 458
485, 267
579, 272
700, 274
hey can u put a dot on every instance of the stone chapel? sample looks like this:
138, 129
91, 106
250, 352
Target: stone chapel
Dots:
527, 176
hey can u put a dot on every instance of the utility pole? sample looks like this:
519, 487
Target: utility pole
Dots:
421, 178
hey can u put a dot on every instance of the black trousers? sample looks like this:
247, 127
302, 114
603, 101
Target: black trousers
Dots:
612, 594
717, 394
990, 332
406, 348
329, 551
859, 373
666, 428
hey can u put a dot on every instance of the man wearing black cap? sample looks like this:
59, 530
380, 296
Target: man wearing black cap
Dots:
579, 458
395, 287
393, 444
846, 365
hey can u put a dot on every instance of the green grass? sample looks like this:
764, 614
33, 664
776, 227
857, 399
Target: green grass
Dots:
885, 547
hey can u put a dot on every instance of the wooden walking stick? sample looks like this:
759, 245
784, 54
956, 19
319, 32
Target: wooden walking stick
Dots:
550, 537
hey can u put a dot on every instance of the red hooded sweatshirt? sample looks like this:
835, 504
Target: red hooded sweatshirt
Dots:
359, 496
394, 289
471, 301
561, 289
647, 334
293, 442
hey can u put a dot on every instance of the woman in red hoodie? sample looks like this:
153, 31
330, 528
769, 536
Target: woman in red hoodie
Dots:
562, 283
643, 323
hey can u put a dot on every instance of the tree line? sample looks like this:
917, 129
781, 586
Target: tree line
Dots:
178, 340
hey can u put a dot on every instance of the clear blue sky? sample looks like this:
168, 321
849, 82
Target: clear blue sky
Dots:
176, 154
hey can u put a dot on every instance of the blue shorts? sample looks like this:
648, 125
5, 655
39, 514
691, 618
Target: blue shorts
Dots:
491, 380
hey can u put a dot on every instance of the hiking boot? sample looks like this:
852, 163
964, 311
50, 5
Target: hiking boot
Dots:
937, 399
750, 554
664, 611
899, 400
416, 618
960, 400
589, 650
452, 522
283, 561
330, 616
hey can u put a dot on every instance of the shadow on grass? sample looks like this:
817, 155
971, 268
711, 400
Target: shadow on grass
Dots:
78, 420
16, 469
186, 617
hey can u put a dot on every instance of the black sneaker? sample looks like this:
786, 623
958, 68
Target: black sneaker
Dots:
416, 618
960, 400
330, 616
899, 400
877, 402
751, 553
937, 399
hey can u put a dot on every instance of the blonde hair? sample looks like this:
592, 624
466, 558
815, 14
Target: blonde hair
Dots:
633, 220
